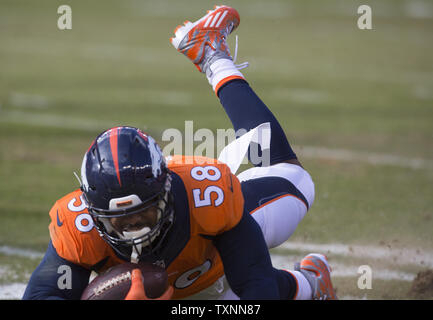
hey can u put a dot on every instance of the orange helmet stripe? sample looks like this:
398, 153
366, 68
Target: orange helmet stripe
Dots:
113, 146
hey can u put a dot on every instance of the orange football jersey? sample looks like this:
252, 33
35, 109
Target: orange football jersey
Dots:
215, 204
74, 236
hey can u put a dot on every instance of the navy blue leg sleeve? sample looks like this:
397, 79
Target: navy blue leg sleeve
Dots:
286, 284
246, 111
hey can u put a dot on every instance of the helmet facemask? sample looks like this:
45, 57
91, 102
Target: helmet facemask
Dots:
138, 228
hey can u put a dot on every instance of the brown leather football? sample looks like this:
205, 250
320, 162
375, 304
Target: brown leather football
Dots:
114, 284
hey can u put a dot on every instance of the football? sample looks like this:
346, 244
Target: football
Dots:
114, 283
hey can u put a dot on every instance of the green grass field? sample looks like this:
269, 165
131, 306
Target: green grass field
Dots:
357, 105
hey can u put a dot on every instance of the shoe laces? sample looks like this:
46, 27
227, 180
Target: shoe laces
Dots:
241, 65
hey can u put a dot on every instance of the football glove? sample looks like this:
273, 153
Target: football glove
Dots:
137, 292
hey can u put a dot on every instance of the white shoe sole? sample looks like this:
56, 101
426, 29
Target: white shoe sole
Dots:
182, 31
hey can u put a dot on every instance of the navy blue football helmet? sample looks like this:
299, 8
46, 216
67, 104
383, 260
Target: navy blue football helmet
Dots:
126, 186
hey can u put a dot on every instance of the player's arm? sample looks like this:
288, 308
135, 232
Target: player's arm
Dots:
56, 278
246, 260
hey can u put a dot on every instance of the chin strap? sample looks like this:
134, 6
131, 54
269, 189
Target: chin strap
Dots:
136, 251
136, 247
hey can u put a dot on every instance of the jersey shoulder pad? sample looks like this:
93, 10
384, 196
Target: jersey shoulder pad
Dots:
215, 197
73, 234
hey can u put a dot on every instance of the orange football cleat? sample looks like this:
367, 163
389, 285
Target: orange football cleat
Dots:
204, 41
317, 271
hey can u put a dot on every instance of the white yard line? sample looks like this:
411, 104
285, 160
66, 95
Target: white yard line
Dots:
364, 157
347, 271
12, 291
419, 9
19, 252
26, 100
340, 270
311, 152
395, 255
53, 121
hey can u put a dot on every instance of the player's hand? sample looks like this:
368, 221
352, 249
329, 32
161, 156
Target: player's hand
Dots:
136, 292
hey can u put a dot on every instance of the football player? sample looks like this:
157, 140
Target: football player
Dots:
192, 215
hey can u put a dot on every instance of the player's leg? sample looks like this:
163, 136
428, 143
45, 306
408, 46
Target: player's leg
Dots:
278, 197
246, 111
204, 43
310, 280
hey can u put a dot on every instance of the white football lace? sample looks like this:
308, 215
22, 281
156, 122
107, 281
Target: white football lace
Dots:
241, 65
112, 282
